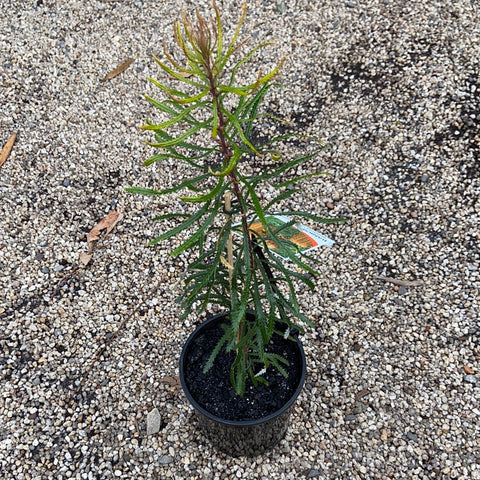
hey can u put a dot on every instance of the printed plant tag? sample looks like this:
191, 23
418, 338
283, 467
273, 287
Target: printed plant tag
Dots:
295, 239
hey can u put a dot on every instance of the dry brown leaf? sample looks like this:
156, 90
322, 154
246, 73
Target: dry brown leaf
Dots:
121, 68
402, 283
7, 149
172, 381
361, 394
183, 74
107, 223
468, 370
85, 258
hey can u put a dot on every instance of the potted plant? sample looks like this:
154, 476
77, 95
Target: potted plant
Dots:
241, 369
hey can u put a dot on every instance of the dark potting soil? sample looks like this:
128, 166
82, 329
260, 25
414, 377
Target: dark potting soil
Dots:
213, 390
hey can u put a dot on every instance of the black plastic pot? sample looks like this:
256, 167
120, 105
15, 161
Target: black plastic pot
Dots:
249, 437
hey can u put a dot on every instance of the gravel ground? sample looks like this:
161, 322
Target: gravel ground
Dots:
393, 373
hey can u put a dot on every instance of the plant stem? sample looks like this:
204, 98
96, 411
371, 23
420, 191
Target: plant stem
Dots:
227, 154
228, 209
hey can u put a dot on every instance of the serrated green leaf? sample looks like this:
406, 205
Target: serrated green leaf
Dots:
184, 225
216, 351
197, 235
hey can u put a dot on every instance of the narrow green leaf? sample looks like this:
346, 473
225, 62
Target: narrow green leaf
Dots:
174, 156
231, 47
216, 351
176, 65
252, 108
297, 179
243, 91
282, 196
197, 235
255, 201
246, 89
246, 59
211, 274
275, 361
237, 153
238, 128
176, 75
189, 183
296, 313
184, 225
170, 107
181, 138
177, 95
279, 264
207, 196
277, 171
315, 218
238, 376
185, 111
215, 119
269, 76
168, 216
169, 91
143, 191
219, 34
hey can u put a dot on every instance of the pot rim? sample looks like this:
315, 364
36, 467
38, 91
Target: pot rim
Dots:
237, 423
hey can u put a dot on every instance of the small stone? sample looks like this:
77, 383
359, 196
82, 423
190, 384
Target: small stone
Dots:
471, 379
351, 4
402, 290
165, 459
424, 178
411, 436
314, 473
154, 421
350, 418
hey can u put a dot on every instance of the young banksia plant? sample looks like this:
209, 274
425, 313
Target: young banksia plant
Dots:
234, 266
